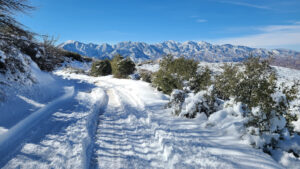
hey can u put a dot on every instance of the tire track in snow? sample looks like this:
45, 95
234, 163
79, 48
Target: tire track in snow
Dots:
112, 110
92, 124
130, 98
125, 137
134, 132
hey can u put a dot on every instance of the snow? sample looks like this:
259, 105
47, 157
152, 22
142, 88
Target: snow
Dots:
60, 132
32, 102
2, 56
41, 77
231, 118
77, 121
288, 76
297, 125
76, 64
152, 67
28, 122
286, 159
2, 130
105, 122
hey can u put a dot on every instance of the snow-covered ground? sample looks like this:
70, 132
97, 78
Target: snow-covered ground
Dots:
152, 67
104, 122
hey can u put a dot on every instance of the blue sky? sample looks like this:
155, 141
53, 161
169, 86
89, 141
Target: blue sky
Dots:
256, 23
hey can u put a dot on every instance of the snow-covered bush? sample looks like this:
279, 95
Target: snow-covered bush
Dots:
201, 80
45, 54
70, 69
145, 75
269, 119
14, 64
190, 104
176, 100
16, 71
269, 114
284, 99
101, 68
266, 105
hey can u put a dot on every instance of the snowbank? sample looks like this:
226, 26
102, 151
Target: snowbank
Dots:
65, 138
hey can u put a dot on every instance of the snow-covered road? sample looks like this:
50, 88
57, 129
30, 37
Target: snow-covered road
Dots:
58, 135
113, 123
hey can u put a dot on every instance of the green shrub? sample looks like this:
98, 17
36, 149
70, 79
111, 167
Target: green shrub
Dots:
121, 67
225, 83
289, 95
201, 80
181, 67
73, 55
114, 63
252, 86
179, 73
165, 82
101, 68
125, 68
87, 59
256, 87
257, 84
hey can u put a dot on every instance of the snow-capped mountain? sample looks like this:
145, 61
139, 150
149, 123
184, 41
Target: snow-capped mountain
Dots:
203, 51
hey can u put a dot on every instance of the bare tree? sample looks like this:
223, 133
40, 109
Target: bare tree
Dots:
12, 6
10, 29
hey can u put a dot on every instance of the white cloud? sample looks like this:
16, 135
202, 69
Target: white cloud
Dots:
198, 19
273, 28
246, 4
297, 22
270, 37
201, 20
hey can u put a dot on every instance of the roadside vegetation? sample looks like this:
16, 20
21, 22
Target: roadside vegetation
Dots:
119, 67
14, 37
101, 68
180, 73
265, 105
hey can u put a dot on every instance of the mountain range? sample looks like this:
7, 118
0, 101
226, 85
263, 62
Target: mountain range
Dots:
202, 51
